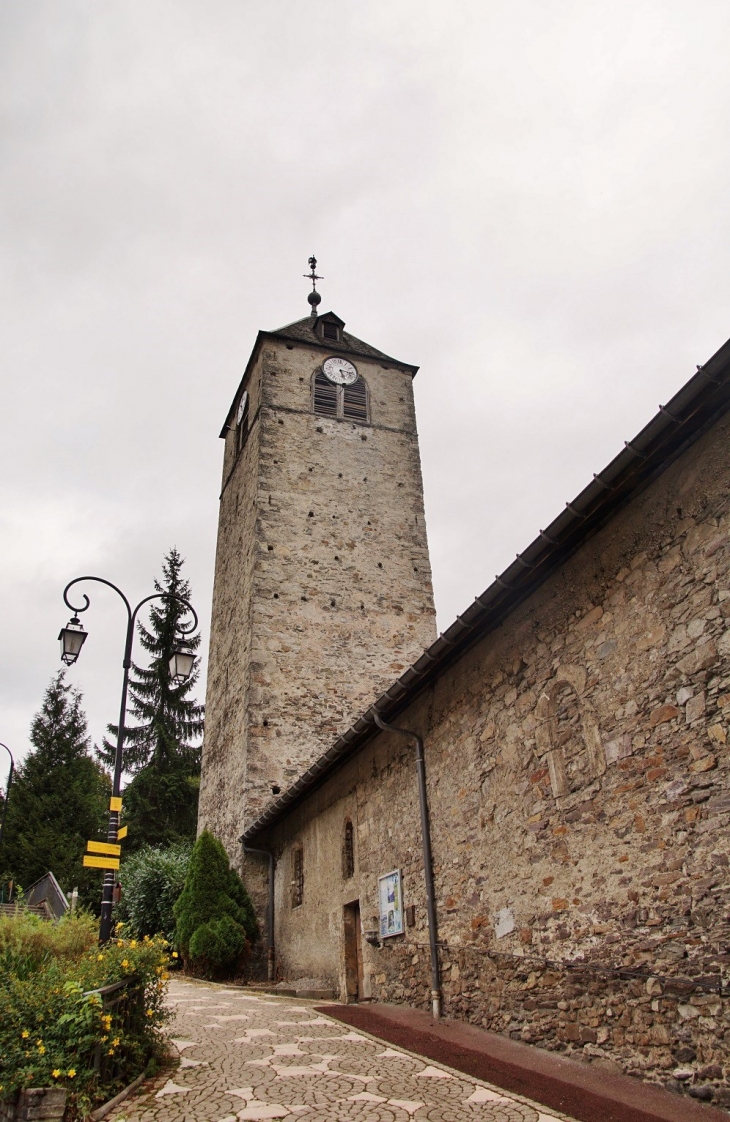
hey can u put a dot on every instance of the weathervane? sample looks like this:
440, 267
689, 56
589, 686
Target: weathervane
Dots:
314, 297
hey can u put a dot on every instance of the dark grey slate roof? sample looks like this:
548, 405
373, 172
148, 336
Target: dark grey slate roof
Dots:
690, 413
302, 330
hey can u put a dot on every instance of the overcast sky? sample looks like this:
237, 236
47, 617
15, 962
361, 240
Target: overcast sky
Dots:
527, 198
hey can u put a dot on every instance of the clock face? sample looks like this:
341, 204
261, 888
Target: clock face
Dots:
339, 371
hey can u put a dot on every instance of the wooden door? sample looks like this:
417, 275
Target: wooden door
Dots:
353, 951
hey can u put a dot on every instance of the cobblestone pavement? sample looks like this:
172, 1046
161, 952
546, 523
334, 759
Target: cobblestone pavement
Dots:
247, 1056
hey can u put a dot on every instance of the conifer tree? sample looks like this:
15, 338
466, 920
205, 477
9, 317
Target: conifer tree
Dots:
215, 917
59, 799
162, 739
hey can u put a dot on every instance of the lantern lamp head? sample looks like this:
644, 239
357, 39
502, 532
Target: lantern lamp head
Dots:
72, 638
182, 662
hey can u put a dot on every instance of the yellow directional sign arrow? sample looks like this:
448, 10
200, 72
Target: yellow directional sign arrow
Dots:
100, 862
121, 833
105, 847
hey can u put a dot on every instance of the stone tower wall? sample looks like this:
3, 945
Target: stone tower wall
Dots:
323, 585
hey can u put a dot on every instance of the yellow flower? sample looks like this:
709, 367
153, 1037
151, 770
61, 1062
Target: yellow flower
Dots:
133, 943
25, 1034
56, 1073
174, 954
115, 1041
107, 1020
41, 1047
100, 958
150, 1012
71, 1072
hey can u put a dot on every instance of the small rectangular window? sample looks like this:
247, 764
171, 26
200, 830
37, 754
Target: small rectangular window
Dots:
242, 421
330, 331
297, 883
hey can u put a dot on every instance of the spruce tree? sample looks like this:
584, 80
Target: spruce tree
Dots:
162, 739
59, 799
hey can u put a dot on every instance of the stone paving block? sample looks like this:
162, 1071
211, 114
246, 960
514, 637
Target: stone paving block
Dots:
276, 1072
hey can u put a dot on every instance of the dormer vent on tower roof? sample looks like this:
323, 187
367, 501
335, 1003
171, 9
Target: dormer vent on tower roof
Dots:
329, 327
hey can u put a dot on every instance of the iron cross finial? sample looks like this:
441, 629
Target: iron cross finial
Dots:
314, 297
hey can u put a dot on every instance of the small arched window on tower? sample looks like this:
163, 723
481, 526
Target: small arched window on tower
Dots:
349, 402
242, 421
348, 851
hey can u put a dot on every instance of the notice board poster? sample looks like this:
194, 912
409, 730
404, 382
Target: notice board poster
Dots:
391, 904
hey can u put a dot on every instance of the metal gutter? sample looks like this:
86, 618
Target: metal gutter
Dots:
427, 860
677, 425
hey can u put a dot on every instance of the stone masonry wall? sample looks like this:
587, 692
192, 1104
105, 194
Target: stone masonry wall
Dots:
223, 773
323, 585
578, 774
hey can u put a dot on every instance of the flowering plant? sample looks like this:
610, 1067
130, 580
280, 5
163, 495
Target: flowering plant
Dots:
56, 1028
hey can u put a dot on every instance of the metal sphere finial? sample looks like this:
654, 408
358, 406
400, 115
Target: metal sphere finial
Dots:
314, 297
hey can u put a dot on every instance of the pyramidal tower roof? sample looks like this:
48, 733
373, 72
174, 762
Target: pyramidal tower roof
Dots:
306, 331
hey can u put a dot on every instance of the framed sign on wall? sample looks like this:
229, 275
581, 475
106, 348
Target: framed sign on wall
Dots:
390, 897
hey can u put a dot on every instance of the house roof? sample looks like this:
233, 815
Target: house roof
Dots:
303, 331
690, 413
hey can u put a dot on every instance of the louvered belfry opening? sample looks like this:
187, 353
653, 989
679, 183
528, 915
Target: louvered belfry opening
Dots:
355, 401
348, 402
326, 397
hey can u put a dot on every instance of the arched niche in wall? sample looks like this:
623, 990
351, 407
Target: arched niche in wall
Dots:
567, 735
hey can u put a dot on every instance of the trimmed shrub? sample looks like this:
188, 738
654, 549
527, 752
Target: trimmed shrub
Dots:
152, 880
214, 914
216, 944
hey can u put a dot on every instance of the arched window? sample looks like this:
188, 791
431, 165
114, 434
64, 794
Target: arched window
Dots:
297, 879
348, 851
347, 402
567, 733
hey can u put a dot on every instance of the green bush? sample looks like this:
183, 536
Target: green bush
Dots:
218, 944
152, 880
53, 1022
215, 917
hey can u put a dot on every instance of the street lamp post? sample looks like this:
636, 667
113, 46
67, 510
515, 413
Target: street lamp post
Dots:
72, 638
7, 792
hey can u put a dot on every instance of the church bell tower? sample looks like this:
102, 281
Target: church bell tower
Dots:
322, 592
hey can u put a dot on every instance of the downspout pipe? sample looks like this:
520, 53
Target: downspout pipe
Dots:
427, 860
271, 953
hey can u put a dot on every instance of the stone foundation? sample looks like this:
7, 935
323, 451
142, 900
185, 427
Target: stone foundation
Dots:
33, 1105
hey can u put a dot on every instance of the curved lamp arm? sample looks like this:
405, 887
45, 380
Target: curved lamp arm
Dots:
183, 629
